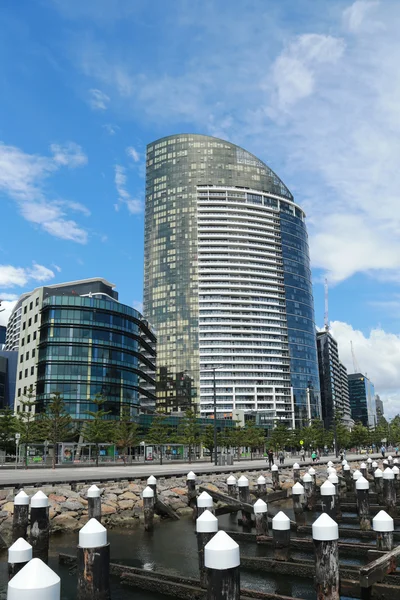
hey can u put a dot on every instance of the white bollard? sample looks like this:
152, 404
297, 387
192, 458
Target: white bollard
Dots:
20, 516
328, 498
309, 492
262, 486
206, 528
94, 503
148, 508
232, 486
363, 469
222, 559
191, 489
389, 492
347, 477
281, 535
325, 533
152, 483
244, 496
261, 516
330, 463
296, 472
19, 554
36, 581
362, 491
40, 526
298, 497
275, 478
93, 562
383, 525
204, 502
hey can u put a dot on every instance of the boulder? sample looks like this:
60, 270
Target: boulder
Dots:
9, 507
125, 504
64, 522
71, 505
179, 491
128, 496
110, 497
57, 499
106, 509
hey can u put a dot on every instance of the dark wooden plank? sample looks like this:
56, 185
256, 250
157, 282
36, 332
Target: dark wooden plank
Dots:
377, 570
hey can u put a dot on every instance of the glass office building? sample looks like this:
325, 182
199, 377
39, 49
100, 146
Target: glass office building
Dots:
362, 400
228, 283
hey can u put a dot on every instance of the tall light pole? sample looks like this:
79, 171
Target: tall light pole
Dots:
215, 418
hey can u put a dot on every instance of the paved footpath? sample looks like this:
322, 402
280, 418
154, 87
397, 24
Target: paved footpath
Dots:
39, 475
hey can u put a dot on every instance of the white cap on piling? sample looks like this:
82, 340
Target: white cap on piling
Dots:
93, 535
35, 580
296, 466
369, 460
207, 523
327, 489
375, 464
362, 484
344, 462
151, 480
330, 463
274, 468
378, 473
39, 500
190, 475
307, 478
331, 470
221, 552
311, 471
204, 500
382, 522
21, 499
148, 492
261, 480
390, 457
385, 462
333, 478
93, 492
325, 529
19, 552
231, 480
396, 461
297, 489
395, 470
357, 474
363, 465
346, 467
243, 481
281, 522
260, 507
388, 473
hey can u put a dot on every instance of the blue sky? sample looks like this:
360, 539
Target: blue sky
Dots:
310, 87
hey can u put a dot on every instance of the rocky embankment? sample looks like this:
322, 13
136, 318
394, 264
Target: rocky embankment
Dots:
122, 501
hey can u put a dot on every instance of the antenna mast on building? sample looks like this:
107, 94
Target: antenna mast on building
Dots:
355, 363
326, 314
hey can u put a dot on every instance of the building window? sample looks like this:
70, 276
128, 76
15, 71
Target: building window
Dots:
26, 372
24, 390
28, 339
22, 342
21, 359
32, 370
27, 356
34, 335
19, 391
31, 306
25, 309
33, 353
37, 302
24, 325
29, 322
36, 317
18, 408
20, 375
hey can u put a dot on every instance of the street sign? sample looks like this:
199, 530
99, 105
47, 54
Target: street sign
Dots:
301, 442
17, 436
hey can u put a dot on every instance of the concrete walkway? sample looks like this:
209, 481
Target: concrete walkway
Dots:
106, 473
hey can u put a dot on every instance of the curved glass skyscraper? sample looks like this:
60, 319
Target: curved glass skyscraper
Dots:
228, 283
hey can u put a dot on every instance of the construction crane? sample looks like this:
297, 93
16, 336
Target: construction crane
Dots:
326, 314
355, 363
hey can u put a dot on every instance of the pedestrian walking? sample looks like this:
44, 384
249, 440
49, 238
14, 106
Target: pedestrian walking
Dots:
383, 450
281, 457
303, 454
314, 456
270, 458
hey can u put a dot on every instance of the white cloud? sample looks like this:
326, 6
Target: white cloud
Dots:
98, 100
133, 205
356, 16
68, 155
8, 296
57, 268
110, 128
133, 154
22, 178
11, 276
378, 357
40, 273
8, 308
138, 305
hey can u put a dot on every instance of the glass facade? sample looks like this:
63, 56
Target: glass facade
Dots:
227, 281
90, 346
362, 400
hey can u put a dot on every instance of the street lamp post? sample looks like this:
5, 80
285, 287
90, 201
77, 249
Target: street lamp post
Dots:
215, 419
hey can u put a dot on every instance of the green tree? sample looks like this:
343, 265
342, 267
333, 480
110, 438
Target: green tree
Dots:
189, 431
279, 437
159, 434
126, 433
97, 430
254, 437
8, 429
55, 425
359, 435
27, 425
207, 438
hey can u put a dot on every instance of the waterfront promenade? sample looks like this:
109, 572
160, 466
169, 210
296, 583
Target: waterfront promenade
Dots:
35, 475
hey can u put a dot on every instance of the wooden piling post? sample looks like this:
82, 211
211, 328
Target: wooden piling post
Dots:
385, 464
396, 472
389, 492
362, 491
296, 473
333, 478
330, 463
244, 496
40, 526
191, 489
298, 493
222, 561
281, 536
20, 516
331, 471
308, 489
232, 486
94, 503
93, 562
148, 508
383, 525
261, 516
328, 498
204, 502
152, 483
313, 473
344, 462
374, 466
378, 484
390, 460
347, 477
19, 554
356, 475
325, 533
262, 487
369, 465
206, 528
36, 581
363, 470
275, 478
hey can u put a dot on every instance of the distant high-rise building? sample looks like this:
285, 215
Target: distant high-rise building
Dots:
3, 330
333, 381
227, 283
362, 400
379, 408
8, 375
77, 339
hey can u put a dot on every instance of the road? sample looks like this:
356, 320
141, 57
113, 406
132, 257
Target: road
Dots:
70, 474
